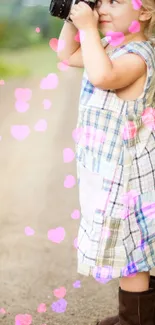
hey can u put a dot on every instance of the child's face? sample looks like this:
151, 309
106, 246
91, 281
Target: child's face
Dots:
117, 14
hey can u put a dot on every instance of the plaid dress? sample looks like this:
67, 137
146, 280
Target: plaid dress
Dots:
115, 153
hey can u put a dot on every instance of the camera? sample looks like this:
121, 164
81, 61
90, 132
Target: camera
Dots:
62, 8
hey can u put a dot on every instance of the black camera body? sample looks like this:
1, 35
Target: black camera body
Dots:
62, 8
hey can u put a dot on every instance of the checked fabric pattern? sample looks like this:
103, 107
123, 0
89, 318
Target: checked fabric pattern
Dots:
115, 153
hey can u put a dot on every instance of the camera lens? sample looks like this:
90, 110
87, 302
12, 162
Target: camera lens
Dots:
61, 8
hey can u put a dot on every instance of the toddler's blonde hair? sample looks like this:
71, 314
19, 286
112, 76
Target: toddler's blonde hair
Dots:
150, 26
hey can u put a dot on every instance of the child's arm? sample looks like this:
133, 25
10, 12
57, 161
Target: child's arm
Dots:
67, 35
105, 73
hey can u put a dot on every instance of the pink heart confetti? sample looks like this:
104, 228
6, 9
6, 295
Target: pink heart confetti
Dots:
77, 284
76, 134
130, 198
41, 126
2, 82
68, 155
23, 94
116, 38
56, 45
37, 30
29, 231
77, 37
92, 135
60, 292
148, 117
137, 4
106, 232
2, 311
101, 274
20, 132
47, 103
56, 235
41, 308
134, 27
75, 214
59, 306
21, 106
129, 130
63, 66
50, 82
23, 319
69, 181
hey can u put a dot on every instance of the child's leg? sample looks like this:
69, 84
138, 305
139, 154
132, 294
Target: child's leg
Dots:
138, 283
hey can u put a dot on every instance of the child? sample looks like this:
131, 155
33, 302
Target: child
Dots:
116, 149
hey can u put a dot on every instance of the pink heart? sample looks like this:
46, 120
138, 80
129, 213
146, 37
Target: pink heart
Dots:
130, 198
60, 292
50, 82
2, 82
41, 308
21, 106
69, 181
106, 233
92, 135
148, 117
68, 155
37, 30
2, 311
77, 37
20, 132
46, 103
136, 4
76, 134
81, 35
63, 66
134, 27
129, 130
41, 126
23, 94
116, 38
56, 235
29, 231
23, 319
56, 45
75, 214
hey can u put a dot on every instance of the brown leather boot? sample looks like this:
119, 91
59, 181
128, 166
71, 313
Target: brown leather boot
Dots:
115, 319
136, 308
152, 281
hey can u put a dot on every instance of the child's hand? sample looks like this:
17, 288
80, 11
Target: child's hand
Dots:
83, 16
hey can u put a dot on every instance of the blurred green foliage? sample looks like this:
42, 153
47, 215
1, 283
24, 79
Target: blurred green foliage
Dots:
9, 70
18, 32
19, 39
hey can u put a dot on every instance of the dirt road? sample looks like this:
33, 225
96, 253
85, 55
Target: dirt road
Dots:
32, 194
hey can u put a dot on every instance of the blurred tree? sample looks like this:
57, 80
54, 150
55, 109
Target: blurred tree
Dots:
17, 7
